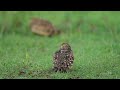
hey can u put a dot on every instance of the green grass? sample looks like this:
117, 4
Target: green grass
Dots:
95, 43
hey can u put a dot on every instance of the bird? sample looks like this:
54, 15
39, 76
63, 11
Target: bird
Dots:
43, 27
63, 58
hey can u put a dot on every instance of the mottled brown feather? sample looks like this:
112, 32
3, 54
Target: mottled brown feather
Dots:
63, 59
43, 27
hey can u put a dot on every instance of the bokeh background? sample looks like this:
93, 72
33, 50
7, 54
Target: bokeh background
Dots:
93, 36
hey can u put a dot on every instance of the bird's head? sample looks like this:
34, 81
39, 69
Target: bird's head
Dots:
65, 47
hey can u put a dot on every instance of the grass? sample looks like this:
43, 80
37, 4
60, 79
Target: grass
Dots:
93, 36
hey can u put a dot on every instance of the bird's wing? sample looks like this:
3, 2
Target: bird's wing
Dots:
71, 57
56, 57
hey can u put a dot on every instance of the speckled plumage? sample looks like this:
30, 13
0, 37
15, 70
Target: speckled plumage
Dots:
63, 58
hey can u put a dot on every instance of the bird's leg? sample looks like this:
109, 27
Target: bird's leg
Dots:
55, 69
62, 69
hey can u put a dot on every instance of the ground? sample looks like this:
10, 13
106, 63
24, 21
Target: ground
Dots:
93, 36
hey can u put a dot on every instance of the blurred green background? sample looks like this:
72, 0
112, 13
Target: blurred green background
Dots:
93, 36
